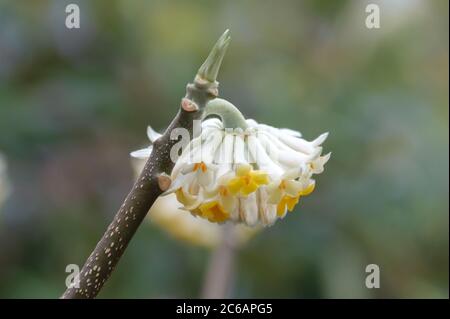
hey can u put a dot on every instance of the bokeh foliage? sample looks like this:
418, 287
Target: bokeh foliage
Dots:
74, 103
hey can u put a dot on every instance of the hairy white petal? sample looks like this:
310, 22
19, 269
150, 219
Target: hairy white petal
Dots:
213, 123
290, 132
263, 161
239, 150
205, 178
275, 194
293, 187
210, 147
143, 153
319, 140
196, 201
293, 173
297, 143
249, 207
188, 168
269, 146
267, 212
224, 155
251, 123
152, 134
229, 203
271, 214
234, 214
291, 159
317, 165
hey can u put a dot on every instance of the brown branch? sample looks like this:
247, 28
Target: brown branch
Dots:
151, 182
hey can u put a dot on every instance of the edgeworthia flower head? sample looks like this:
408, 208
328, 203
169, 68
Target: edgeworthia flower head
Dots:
243, 171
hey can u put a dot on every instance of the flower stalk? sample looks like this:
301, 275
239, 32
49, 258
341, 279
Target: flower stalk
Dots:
219, 277
229, 114
153, 180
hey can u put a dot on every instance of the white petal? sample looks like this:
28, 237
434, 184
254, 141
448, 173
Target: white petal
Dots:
293, 187
297, 144
229, 203
267, 128
210, 147
224, 156
212, 122
186, 182
267, 212
294, 159
263, 161
152, 134
270, 147
234, 214
192, 200
239, 156
274, 195
319, 163
293, 173
251, 123
208, 131
271, 214
319, 140
143, 153
249, 209
187, 168
277, 143
290, 132
195, 150
205, 178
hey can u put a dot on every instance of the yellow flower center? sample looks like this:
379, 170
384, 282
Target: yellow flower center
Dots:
247, 180
201, 166
289, 202
223, 191
213, 211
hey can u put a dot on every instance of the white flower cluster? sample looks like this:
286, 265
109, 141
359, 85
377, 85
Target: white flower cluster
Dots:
252, 176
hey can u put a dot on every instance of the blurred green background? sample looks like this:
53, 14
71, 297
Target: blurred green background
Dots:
74, 103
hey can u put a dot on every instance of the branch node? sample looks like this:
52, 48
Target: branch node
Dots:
164, 181
213, 91
188, 105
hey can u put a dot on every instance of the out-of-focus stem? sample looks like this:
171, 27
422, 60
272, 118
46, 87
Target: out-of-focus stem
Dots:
219, 278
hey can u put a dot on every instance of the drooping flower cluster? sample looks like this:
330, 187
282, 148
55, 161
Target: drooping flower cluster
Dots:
251, 176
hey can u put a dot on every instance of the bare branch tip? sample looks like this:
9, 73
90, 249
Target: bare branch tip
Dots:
210, 68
